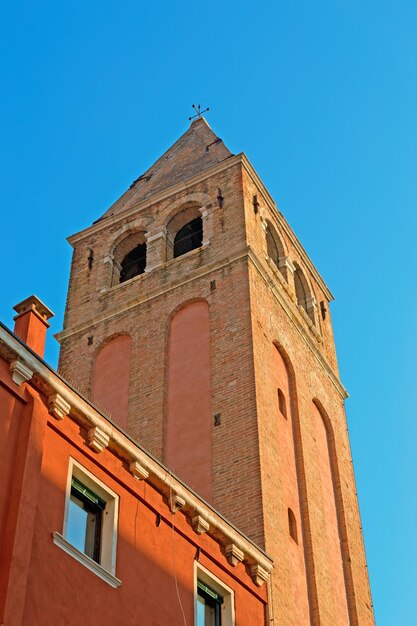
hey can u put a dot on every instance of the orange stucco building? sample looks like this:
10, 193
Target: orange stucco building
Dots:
204, 383
158, 539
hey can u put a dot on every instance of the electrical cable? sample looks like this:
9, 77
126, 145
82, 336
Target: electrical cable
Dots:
173, 552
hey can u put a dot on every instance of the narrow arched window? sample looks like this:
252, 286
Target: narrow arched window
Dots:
330, 507
282, 405
189, 237
129, 257
272, 247
292, 526
275, 249
302, 292
134, 263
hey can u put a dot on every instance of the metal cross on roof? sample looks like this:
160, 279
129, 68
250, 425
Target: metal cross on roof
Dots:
199, 113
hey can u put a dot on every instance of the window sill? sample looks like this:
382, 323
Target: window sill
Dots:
277, 272
94, 567
105, 291
186, 255
309, 322
301, 309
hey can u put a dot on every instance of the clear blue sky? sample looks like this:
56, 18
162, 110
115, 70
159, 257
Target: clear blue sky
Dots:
322, 97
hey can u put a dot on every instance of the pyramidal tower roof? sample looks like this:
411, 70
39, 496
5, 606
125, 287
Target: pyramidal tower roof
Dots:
195, 151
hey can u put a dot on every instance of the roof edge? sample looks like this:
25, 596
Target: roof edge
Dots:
158, 197
46, 379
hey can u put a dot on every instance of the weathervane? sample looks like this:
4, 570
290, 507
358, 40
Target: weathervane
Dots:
199, 113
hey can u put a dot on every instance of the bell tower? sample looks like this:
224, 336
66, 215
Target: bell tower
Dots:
196, 321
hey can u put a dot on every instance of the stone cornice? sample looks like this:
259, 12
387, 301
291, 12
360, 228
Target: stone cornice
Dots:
305, 329
51, 383
193, 275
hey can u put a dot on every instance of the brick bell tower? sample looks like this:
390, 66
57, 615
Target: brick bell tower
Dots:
197, 322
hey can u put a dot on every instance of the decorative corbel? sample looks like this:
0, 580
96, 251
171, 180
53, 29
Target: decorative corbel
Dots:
259, 575
234, 554
200, 525
58, 407
176, 503
20, 372
138, 471
97, 439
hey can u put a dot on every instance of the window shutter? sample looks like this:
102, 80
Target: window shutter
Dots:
209, 592
86, 493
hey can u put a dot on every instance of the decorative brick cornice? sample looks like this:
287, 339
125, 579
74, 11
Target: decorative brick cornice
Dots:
20, 372
97, 439
58, 407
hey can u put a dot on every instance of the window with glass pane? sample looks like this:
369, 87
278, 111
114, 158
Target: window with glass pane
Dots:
208, 607
84, 520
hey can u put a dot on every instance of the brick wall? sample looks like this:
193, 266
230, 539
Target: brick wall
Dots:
258, 461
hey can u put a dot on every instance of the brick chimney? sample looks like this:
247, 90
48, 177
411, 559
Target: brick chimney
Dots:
31, 323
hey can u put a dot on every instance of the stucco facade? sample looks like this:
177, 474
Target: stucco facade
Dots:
164, 539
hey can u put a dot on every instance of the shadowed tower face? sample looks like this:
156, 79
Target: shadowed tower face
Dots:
195, 318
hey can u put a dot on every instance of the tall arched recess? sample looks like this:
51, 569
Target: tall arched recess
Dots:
111, 376
331, 566
287, 444
188, 450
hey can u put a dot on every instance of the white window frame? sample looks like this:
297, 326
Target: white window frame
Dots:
228, 606
106, 569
